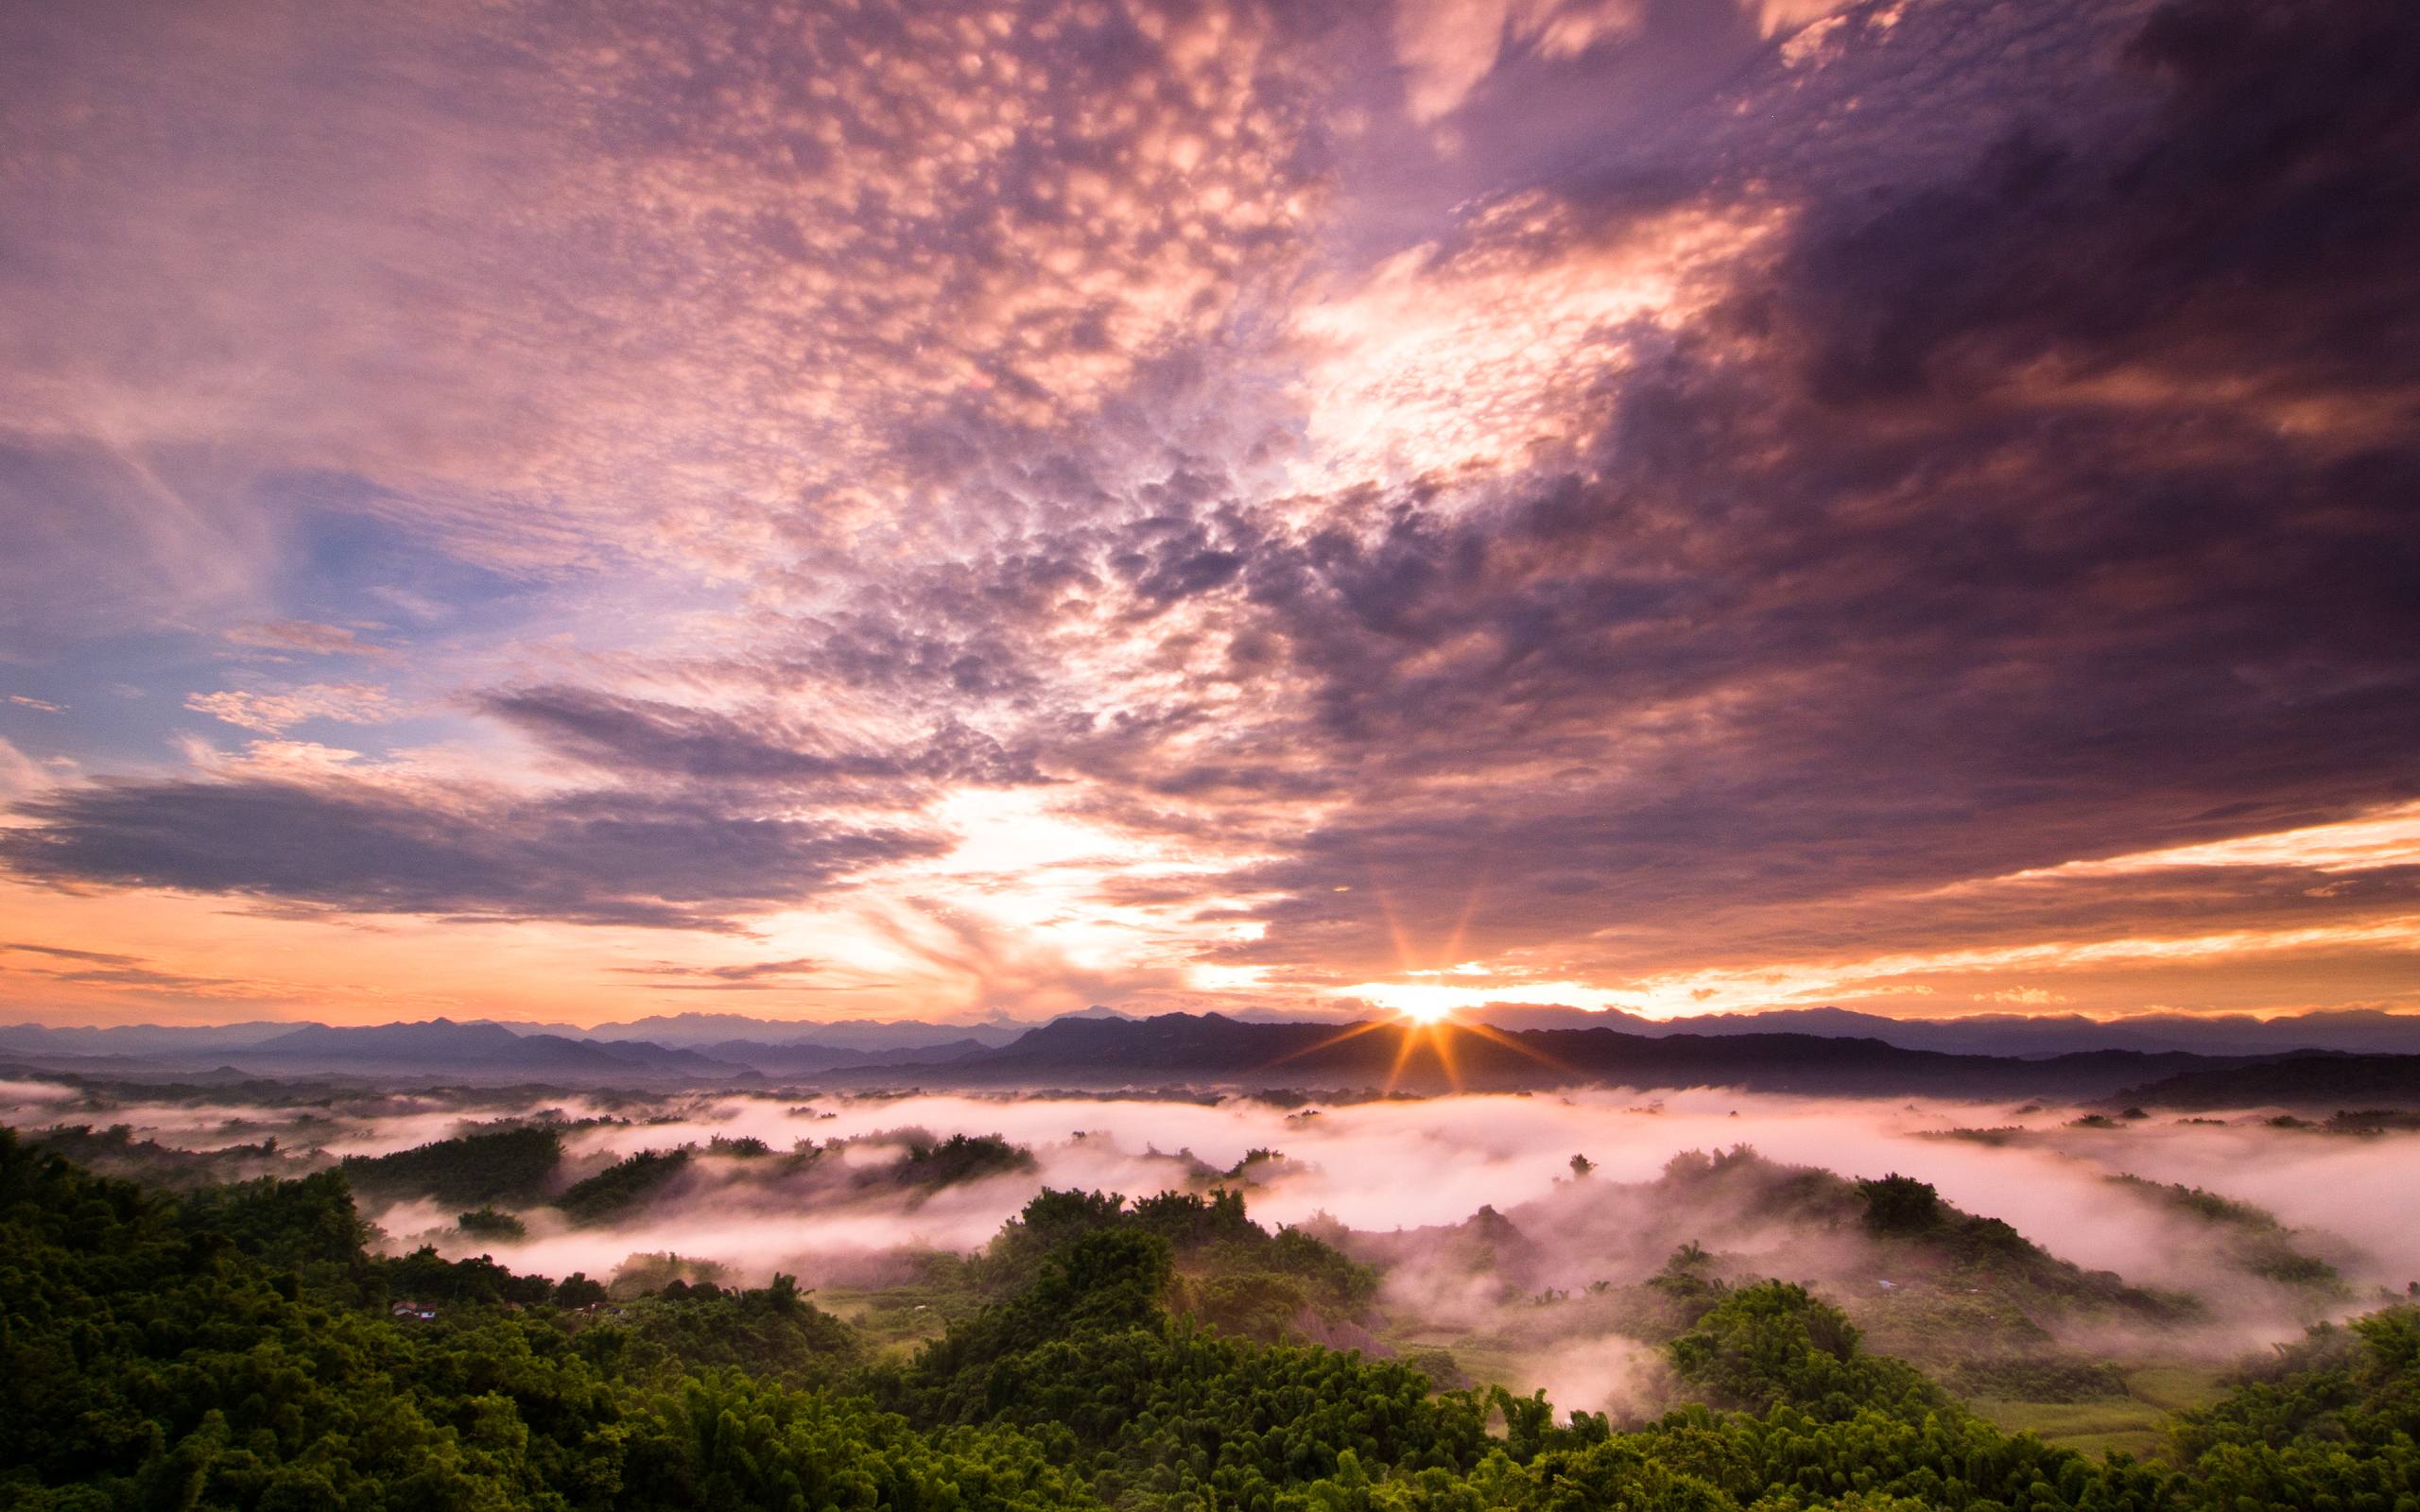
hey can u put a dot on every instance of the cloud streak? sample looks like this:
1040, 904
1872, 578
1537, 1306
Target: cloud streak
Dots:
590, 858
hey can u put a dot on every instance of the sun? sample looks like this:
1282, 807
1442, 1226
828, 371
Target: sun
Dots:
1424, 1006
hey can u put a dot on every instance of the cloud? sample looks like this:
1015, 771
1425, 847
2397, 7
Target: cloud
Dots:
20, 775
1971, 524
1388, 1168
64, 953
2385, 837
628, 735
112, 971
743, 976
1634, 494
101, 539
273, 713
585, 858
306, 636
760, 291
1447, 48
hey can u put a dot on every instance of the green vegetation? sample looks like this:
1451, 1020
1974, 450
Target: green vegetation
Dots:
621, 1186
1925, 1229
2373, 1121
2330, 1423
1227, 1270
116, 1151
2046, 1379
239, 1348
960, 1158
2251, 1239
2102, 1425
485, 1223
477, 1169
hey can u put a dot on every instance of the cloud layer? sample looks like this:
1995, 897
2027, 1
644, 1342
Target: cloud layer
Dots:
1671, 504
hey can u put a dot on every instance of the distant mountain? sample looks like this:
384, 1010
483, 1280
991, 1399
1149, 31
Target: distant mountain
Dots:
806, 1058
2363, 1030
1527, 1047
698, 1031
800, 1047
2327, 1083
136, 1039
1178, 1047
479, 1050
484, 1050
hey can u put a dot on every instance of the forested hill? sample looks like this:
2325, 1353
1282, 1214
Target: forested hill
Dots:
238, 1348
2317, 1081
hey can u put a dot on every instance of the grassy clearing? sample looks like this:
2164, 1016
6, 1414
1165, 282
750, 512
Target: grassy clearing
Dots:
2136, 1422
2175, 1387
898, 1317
2091, 1427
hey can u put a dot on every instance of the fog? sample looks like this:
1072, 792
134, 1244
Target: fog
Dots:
1371, 1176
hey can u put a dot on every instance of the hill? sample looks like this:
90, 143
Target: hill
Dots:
2321, 1082
2356, 1030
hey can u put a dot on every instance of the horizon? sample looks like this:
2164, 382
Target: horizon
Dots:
961, 514
1489, 1016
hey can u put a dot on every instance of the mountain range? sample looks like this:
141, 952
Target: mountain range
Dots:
1103, 1050
750, 1040
2359, 1031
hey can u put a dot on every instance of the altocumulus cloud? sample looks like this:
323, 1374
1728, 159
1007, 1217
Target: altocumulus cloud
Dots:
2046, 500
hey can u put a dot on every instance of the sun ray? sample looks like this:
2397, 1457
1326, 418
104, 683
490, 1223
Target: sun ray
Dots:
1442, 1036
1351, 1031
1489, 1032
1410, 1040
1394, 926
1453, 953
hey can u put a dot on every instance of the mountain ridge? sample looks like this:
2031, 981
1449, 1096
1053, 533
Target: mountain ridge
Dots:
2352, 1030
1104, 1049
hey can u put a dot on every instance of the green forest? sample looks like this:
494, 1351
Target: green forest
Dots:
243, 1345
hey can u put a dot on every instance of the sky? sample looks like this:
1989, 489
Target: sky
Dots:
529, 510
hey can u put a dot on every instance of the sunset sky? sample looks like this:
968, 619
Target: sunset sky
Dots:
561, 511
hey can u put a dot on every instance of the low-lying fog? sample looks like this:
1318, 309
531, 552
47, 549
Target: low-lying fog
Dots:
1359, 1170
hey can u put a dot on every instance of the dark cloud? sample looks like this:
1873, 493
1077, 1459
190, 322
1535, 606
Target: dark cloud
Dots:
606, 858
793, 975
2060, 509
107, 968
636, 735
2259, 231
739, 972
63, 952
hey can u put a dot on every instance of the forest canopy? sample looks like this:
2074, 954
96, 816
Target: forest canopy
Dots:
243, 1347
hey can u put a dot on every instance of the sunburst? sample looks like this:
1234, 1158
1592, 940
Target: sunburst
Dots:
1424, 1018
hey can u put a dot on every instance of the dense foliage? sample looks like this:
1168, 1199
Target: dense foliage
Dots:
239, 1348
480, 1168
622, 1185
960, 1158
116, 1151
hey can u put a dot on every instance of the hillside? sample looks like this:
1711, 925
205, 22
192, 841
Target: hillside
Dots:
2322, 1083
